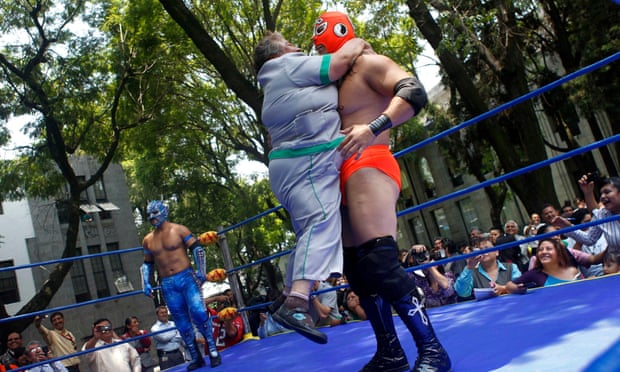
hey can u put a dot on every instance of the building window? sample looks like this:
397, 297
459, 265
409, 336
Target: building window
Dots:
62, 209
468, 213
417, 226
115, 260
9, 293
79, 279
427, 178
101, 280
84, 193
121, 281
441, 221
99, 188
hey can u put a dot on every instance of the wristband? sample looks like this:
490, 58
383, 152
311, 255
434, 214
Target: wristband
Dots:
380, 124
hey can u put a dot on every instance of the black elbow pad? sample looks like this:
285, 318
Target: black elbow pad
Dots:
412, 91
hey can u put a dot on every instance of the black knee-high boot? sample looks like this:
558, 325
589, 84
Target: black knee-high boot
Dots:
431, 355
382, 273
390, 356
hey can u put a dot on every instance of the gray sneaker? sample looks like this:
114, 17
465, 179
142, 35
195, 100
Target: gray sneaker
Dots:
300, 321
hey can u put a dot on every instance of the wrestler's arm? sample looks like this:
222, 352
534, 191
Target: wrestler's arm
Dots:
146, 270
198, 252
343, 58
382, 74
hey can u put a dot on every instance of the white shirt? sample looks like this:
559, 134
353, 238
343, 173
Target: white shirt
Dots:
598, 247
610, 230
166, 341
50, 367
120, 358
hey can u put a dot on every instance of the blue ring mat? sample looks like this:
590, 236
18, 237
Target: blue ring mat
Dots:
568, 327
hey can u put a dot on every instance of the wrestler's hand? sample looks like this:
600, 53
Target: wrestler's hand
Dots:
148, 290
356, 139
216, 275
201, 276
227, 313
209, 237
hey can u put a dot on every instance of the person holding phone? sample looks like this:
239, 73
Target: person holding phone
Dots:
121, 357
60, 340
37, 353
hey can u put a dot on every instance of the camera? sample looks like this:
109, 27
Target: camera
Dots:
436, 256
416, 258
594, 176
420, 257
45, 349
104, 328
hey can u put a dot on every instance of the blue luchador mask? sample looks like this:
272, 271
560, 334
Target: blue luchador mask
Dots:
157, 212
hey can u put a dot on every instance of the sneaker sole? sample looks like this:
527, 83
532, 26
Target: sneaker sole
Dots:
314, 335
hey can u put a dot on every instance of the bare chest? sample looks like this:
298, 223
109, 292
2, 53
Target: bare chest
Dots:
161, 245
358, 102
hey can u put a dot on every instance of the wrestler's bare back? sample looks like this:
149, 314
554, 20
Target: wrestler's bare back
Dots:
166, 248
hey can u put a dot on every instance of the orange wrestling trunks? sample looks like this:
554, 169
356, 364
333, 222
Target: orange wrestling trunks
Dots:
376, 156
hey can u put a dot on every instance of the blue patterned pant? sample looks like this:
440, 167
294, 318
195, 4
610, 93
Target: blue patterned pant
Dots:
184, 299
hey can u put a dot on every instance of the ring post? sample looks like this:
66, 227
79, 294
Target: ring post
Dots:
234, 281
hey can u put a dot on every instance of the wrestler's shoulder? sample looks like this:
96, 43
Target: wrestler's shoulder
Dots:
179, 229
374, 60
147, 239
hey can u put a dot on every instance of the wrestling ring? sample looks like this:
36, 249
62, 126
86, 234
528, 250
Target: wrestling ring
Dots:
567, 327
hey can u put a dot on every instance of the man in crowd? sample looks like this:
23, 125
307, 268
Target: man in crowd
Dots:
37, 353
168, 344
120, 357
228, 326
374, 96
60, 340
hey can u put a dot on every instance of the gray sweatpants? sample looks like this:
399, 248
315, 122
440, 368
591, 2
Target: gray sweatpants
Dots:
309, 188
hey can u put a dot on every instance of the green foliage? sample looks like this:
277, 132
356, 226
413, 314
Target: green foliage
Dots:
33, 176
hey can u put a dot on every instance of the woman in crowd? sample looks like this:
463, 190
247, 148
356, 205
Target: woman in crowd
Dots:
142, 346
553, 266
15, 352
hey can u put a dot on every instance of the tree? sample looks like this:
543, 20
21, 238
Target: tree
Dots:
84, 92
490, 40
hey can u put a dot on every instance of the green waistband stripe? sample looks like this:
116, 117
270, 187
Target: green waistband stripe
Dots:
304, 151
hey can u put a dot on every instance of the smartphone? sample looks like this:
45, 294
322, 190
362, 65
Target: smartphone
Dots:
530, 285
45, 349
